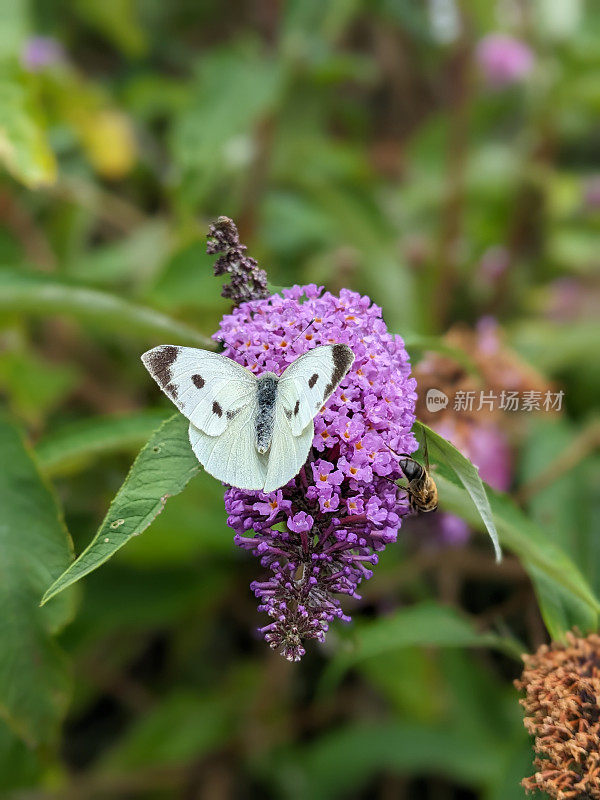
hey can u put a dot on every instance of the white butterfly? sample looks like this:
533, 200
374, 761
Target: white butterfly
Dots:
249, 431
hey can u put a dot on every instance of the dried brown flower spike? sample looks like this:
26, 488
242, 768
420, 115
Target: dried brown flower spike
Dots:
247, 281
562, 686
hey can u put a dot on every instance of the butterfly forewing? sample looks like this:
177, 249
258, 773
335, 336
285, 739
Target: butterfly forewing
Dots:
310, 380
207, 388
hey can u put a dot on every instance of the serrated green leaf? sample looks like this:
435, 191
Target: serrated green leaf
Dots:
441, 450
163, 468
23, 145
79, 441
36, 294
35, 547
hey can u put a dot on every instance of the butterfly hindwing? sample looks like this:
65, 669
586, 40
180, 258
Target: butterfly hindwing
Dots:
309, 382
288, 453
232, 457
208, 388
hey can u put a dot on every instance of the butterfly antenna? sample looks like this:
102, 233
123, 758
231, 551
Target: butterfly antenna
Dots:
224, 344
304, 330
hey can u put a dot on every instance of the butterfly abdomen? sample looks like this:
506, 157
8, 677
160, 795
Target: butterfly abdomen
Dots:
266, 394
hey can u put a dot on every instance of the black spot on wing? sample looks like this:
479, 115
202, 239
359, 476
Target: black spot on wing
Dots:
288, 413
217, 409
232, 414
312, 380
297, 408
198, 381
171, 390
342, 361
159, 362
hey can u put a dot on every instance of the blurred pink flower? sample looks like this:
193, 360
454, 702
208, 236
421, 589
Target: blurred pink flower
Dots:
493, 264
436, 531
486, 445
488, 336
503, 60
40, 52
489, 450
565, 299
453, 531
569, 298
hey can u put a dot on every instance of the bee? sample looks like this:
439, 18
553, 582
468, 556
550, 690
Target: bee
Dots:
421, 488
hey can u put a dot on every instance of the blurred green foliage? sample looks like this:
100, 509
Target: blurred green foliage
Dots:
356, 144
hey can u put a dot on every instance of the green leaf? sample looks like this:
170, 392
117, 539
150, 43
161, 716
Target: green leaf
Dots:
118, 21
23, 145
34, 386
14, 29
19, 765
175, 538
35, 547
563, 506
196, 725
187, 280
565, 596
536, 550
467, 473
39, 295
340, 762
131, 259
163, 468
120, 600
427, 624
560, 610
210, 145
79, 441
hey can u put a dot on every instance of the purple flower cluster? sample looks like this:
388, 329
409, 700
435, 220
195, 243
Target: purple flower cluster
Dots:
319, 535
